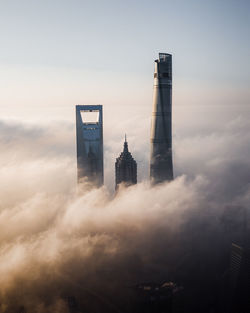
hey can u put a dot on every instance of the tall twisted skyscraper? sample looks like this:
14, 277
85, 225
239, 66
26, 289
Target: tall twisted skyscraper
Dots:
125, 168
161, 165
89, 137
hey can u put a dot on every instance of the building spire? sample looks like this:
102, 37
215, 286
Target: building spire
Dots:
125, 168
125, 149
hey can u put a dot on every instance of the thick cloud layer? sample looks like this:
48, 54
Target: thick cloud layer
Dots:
59, 244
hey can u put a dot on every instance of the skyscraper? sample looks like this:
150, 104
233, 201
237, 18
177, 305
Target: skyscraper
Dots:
161, 166
89, 137
125, 168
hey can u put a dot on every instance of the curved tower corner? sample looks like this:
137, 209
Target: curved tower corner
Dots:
161, 164
89, 140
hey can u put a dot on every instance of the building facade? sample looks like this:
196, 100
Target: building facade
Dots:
161, 164
125, 168
89, 140
239, 279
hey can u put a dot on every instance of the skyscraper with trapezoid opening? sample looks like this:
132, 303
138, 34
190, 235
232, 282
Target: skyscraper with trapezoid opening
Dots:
89, 139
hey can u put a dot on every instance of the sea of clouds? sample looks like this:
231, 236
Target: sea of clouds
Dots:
59, 241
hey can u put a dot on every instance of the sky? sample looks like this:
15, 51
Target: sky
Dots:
56, 54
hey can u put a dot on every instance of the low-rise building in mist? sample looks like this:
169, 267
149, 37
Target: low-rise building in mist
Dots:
240, 279
156, 298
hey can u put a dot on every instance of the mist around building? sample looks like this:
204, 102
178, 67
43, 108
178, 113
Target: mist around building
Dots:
169, 243
175, 292
124, 164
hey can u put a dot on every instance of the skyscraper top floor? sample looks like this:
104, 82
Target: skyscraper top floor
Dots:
164, 57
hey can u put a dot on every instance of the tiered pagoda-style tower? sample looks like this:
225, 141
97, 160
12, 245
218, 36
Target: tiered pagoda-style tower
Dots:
125, 168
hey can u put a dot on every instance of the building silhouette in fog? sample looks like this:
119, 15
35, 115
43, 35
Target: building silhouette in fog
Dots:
161, 164
89, 138
125, 168
240, 279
